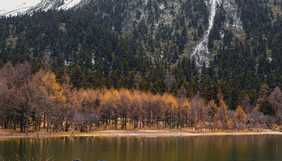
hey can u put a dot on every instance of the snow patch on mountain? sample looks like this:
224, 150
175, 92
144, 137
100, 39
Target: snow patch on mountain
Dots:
20, 7
69, 4
16, 6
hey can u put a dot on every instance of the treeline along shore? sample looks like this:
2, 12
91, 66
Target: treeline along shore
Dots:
32, 99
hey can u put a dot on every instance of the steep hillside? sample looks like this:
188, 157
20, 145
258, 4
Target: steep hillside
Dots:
184, 25
217, 48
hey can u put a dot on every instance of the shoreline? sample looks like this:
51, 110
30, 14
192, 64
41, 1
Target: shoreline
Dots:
136, 133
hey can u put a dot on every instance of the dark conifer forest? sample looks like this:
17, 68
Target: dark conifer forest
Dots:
124, 61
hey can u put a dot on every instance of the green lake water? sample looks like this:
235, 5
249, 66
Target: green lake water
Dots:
194, 148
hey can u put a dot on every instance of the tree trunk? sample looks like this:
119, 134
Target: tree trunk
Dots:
140, 124
26, 127
38, 127
66, 127
151, 119
47, 126
50, 126
6, 124
10, 127
116, 123
44, 121
15, 125
110, 123
125, 120
21, 122
137, 124
62, 127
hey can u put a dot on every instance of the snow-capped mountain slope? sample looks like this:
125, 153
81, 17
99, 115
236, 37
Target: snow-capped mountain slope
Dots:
16, 6
19, 7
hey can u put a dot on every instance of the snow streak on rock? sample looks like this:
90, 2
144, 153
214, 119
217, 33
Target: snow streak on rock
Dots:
201, 51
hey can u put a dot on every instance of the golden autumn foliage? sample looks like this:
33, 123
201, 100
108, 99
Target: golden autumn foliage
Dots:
222, 113
43, 101
240, 114
51, 88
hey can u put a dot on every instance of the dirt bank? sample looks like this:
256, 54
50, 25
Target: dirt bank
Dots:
137, 133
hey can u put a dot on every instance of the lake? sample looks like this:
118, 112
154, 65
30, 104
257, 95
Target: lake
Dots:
194, 148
